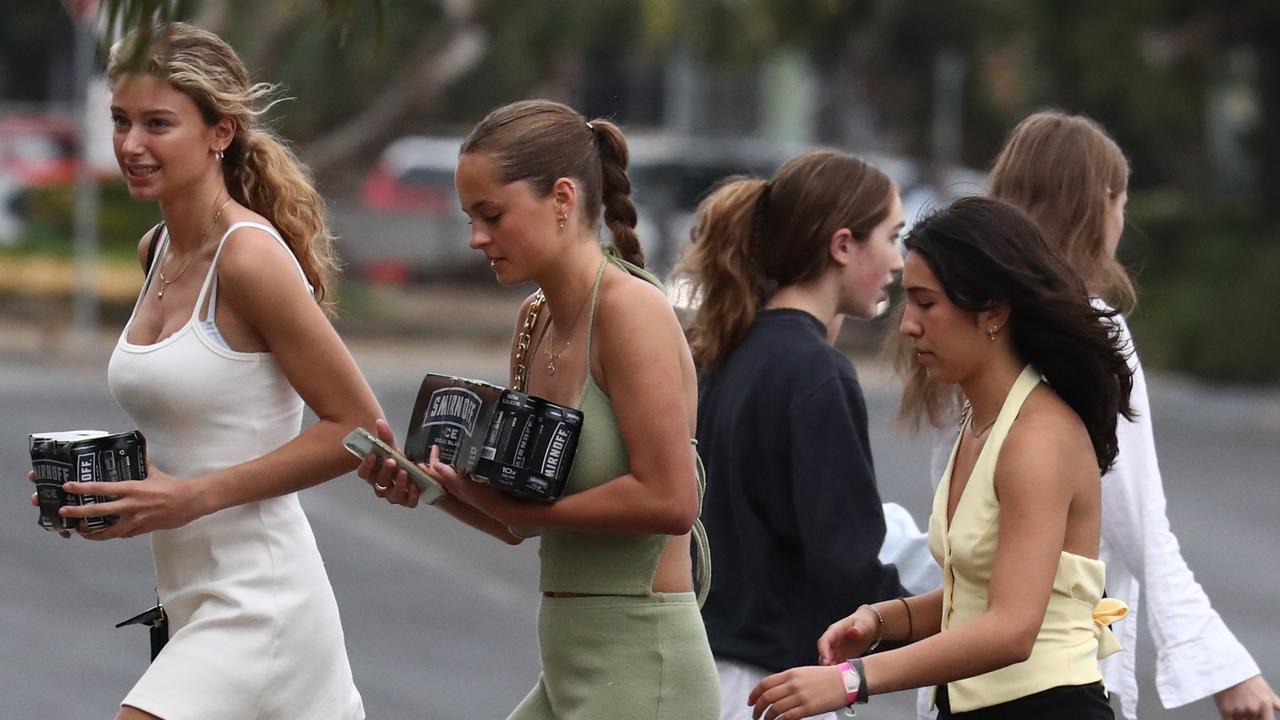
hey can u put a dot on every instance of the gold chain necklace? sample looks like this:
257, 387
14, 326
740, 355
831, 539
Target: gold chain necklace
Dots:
552, 357
166, 282
976, 433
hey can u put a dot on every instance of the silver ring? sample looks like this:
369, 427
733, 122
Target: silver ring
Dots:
381, 488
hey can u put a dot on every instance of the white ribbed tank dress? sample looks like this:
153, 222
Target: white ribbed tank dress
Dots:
254, 628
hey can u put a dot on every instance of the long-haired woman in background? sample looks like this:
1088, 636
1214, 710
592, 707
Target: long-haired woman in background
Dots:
792, 507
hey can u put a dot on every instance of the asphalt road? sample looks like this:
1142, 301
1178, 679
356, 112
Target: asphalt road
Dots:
440, 619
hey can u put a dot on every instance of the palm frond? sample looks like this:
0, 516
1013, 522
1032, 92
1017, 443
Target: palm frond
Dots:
144, 15
140, 15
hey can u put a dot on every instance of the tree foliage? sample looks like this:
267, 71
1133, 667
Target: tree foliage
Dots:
1153, 72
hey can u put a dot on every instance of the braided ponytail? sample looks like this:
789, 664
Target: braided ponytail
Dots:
539, 141
619, 210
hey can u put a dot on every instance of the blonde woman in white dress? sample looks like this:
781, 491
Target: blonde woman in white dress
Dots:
227, 341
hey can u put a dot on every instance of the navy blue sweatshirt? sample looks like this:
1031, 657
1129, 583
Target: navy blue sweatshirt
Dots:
791, 509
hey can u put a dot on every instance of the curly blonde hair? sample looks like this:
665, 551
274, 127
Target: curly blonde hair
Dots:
261, 172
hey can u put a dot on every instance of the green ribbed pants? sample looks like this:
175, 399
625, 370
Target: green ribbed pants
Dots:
620, 657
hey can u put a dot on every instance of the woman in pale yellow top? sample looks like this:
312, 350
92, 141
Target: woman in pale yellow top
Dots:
1018, 627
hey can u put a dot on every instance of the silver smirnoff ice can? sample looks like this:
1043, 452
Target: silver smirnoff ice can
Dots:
82, 456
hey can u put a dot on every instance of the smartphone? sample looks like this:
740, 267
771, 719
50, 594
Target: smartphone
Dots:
361, 442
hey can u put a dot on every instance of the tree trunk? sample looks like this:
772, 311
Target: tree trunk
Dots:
436, 62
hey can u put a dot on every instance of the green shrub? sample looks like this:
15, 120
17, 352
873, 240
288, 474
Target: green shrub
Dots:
50, 214
1209, 297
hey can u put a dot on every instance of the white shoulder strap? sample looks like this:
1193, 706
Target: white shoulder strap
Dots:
210, 286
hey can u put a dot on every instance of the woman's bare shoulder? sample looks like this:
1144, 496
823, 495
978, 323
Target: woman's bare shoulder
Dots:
626, 300
1047, 441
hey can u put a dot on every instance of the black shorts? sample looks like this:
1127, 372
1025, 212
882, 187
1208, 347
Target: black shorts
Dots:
1066, 702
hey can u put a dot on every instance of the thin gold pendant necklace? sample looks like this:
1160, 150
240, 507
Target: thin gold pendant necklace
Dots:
166, 282
967, 421
552, 357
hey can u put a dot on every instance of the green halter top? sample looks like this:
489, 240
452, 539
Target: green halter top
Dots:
609, 563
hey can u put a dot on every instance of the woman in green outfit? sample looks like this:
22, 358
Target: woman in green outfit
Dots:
619, 628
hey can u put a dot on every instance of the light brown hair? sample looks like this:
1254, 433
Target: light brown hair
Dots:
752, 236
261, 172
540, 141
1066, 173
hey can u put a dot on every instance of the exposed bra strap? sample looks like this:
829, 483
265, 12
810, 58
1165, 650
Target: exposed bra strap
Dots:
155, 252
211, 280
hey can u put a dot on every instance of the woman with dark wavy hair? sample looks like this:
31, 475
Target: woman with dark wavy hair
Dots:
1073, 180
1019, 625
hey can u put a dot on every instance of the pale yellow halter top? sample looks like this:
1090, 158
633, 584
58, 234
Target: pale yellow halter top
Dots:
1074, 635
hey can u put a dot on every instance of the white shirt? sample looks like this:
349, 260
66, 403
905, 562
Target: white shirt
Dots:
1196, 654
906, 547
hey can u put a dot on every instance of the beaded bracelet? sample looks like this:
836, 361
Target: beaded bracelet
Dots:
879, 629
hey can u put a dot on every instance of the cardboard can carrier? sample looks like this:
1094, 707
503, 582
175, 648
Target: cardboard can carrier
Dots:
82, 456
517, 442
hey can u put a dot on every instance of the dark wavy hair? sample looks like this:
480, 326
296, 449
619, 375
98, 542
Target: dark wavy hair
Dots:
987, 252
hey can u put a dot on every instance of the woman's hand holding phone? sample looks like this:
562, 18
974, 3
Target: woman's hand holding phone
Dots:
387, 471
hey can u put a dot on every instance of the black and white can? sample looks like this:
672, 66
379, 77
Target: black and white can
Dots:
82, 456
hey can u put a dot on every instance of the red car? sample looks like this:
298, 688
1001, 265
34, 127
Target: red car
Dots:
414, 174
38, 150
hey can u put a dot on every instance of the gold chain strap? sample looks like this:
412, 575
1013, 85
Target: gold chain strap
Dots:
524, 344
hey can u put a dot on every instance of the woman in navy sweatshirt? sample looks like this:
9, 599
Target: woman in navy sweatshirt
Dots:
791, 510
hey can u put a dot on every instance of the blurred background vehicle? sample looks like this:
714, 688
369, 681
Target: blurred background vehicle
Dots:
40, 156
378, 100
671, 174
414, 173
702, 90
408, 225
37, 149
